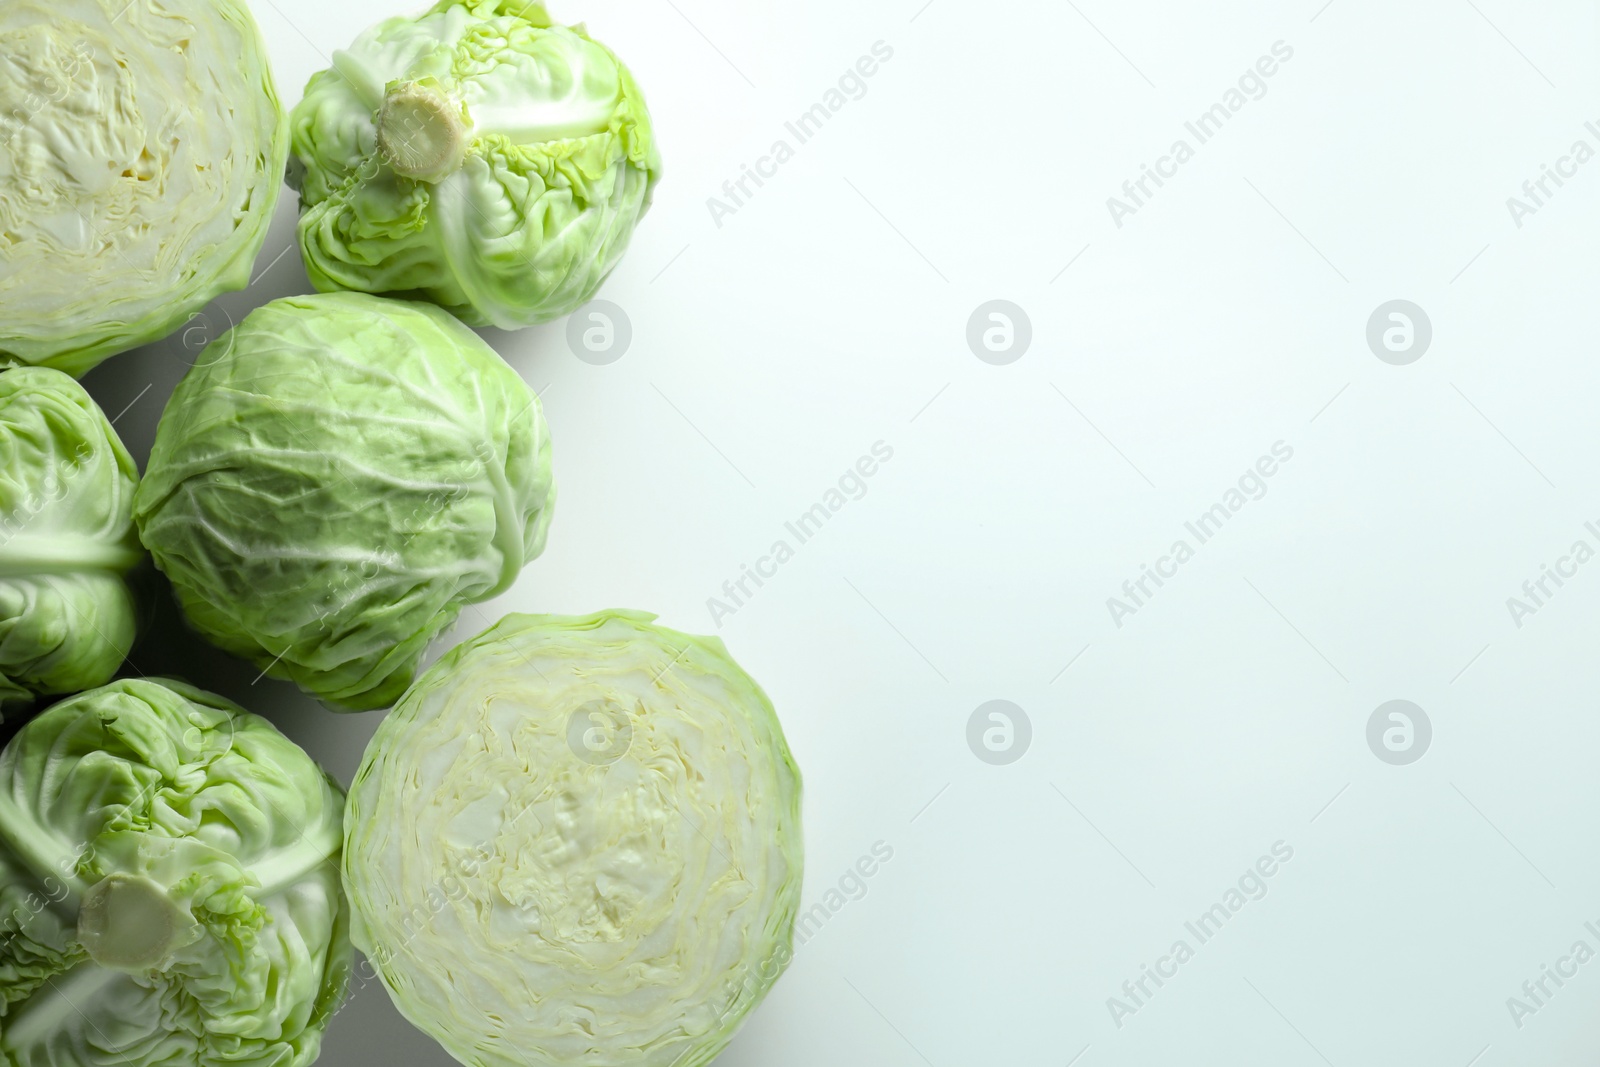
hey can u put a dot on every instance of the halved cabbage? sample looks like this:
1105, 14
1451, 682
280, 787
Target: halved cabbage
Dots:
66, 539
576, 841
169, 886
141, 150
477, 155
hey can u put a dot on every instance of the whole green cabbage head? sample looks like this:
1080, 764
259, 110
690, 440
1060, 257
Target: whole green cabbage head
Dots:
66, 539
576, 841
169, 886
141, 150
334, 479
477, 155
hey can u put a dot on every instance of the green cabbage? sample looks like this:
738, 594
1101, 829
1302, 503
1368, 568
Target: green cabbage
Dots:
169, 887
334, 479
141, 151
577, 841
66, 538
477, 155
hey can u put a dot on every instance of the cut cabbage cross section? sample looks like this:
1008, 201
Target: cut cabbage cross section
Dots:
142, 146
576, 841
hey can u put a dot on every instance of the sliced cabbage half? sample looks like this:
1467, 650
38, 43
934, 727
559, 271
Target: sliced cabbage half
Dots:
478, 155
141, 150
169, 886
577, 841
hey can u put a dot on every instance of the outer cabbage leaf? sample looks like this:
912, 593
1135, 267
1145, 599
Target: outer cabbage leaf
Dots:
479, 156
169, 886
334, 479
141, 150
577, 841
66, 538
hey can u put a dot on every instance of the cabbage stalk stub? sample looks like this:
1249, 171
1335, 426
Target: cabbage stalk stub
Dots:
576, 841
66, 539
334, 479
142, 146
169, 886
477, 155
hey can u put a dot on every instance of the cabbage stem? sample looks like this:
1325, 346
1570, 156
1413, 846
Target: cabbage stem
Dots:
128, 923
421, 132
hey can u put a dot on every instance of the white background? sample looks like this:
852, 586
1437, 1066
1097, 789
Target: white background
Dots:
1229, 313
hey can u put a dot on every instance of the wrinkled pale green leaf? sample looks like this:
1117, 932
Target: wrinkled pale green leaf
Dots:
66, 538
334, 479
223, 942
577, 841
141, 150
532, 150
